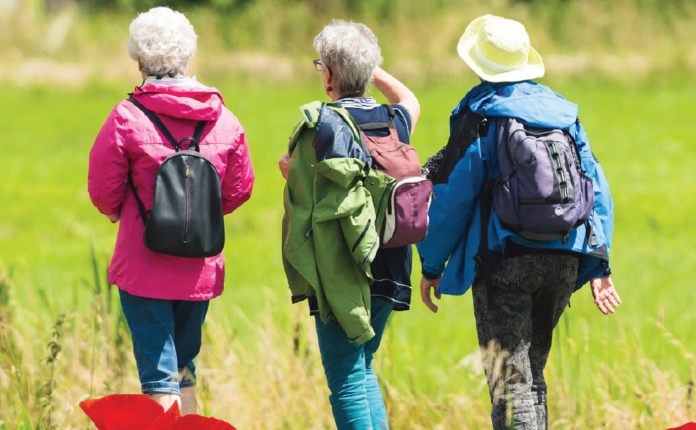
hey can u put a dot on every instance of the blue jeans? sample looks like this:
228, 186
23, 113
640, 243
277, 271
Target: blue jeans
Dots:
166, 338
356, 399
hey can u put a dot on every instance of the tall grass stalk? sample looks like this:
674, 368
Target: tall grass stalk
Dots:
48, 388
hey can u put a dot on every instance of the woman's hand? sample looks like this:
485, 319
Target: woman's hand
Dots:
284, 165
425, 286
605, 295
114, 218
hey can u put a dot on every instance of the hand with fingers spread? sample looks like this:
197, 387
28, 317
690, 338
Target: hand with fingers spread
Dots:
425, 286
606, 297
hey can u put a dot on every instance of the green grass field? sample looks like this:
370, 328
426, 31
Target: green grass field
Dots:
260, 366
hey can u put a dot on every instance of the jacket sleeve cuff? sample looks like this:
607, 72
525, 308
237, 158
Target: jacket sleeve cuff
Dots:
369, 334
429, 276
429, 272
601, 270
600, 273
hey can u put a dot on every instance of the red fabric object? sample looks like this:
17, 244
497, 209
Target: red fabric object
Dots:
128, 141
111, 412
166, 420
140, 412
688, 426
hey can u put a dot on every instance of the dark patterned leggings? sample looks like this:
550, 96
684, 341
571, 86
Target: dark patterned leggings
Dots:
531, 293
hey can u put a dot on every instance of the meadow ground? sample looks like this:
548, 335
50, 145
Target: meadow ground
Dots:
260, 366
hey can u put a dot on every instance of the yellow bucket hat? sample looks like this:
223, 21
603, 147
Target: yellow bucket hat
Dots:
498, 50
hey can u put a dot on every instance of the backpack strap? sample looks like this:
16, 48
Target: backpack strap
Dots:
379, 125
485, 257
468, 128
198, 132
141, 206
196, 139
157, 122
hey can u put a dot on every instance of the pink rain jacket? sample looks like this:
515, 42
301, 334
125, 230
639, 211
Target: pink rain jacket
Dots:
129, 141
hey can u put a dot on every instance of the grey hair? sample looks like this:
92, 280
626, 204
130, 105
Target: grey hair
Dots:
351, 52
164, 42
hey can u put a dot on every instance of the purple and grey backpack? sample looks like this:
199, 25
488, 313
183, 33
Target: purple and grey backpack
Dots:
542, 192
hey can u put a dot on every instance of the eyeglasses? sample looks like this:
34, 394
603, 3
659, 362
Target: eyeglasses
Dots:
317, 65
320, 67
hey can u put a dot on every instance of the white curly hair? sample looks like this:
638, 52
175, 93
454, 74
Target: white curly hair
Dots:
351, 52
163, 41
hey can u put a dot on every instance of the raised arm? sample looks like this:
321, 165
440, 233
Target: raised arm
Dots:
397, 93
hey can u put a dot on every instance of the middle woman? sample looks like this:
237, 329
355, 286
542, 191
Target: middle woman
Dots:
349, 60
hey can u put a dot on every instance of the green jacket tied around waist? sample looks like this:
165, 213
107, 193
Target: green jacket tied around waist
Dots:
333, 210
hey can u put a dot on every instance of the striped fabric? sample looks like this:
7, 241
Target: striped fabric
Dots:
364, 103
369, 103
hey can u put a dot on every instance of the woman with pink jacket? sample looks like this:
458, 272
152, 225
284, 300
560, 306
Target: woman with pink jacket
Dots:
164, 298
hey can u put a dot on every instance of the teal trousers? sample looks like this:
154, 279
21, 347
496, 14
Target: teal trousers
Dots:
356, 399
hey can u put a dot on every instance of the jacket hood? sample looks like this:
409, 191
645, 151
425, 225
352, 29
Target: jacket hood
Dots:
534, 104
190, 100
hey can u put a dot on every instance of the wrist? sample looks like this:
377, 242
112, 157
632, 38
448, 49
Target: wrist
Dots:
429, 276
606, 270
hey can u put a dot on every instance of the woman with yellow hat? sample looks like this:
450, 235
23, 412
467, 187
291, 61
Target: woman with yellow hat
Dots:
522, 214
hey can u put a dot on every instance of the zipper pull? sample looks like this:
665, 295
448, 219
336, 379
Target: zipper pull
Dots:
187, 170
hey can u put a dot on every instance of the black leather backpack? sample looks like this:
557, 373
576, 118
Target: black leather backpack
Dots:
186, 219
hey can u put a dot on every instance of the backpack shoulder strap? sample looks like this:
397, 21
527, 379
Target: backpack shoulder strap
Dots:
157, 122
466, 131
380, 125
198, 132
196, 138
487, 259
574, 143
141, 206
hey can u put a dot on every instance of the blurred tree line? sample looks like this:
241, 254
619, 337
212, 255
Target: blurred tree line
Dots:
411, 32
376, 8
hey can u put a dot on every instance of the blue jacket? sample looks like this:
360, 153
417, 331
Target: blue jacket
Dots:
454, 233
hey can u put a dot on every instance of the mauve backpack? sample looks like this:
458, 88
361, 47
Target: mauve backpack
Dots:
406, 219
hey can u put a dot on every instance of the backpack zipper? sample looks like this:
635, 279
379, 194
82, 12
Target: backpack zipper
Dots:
187, 208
